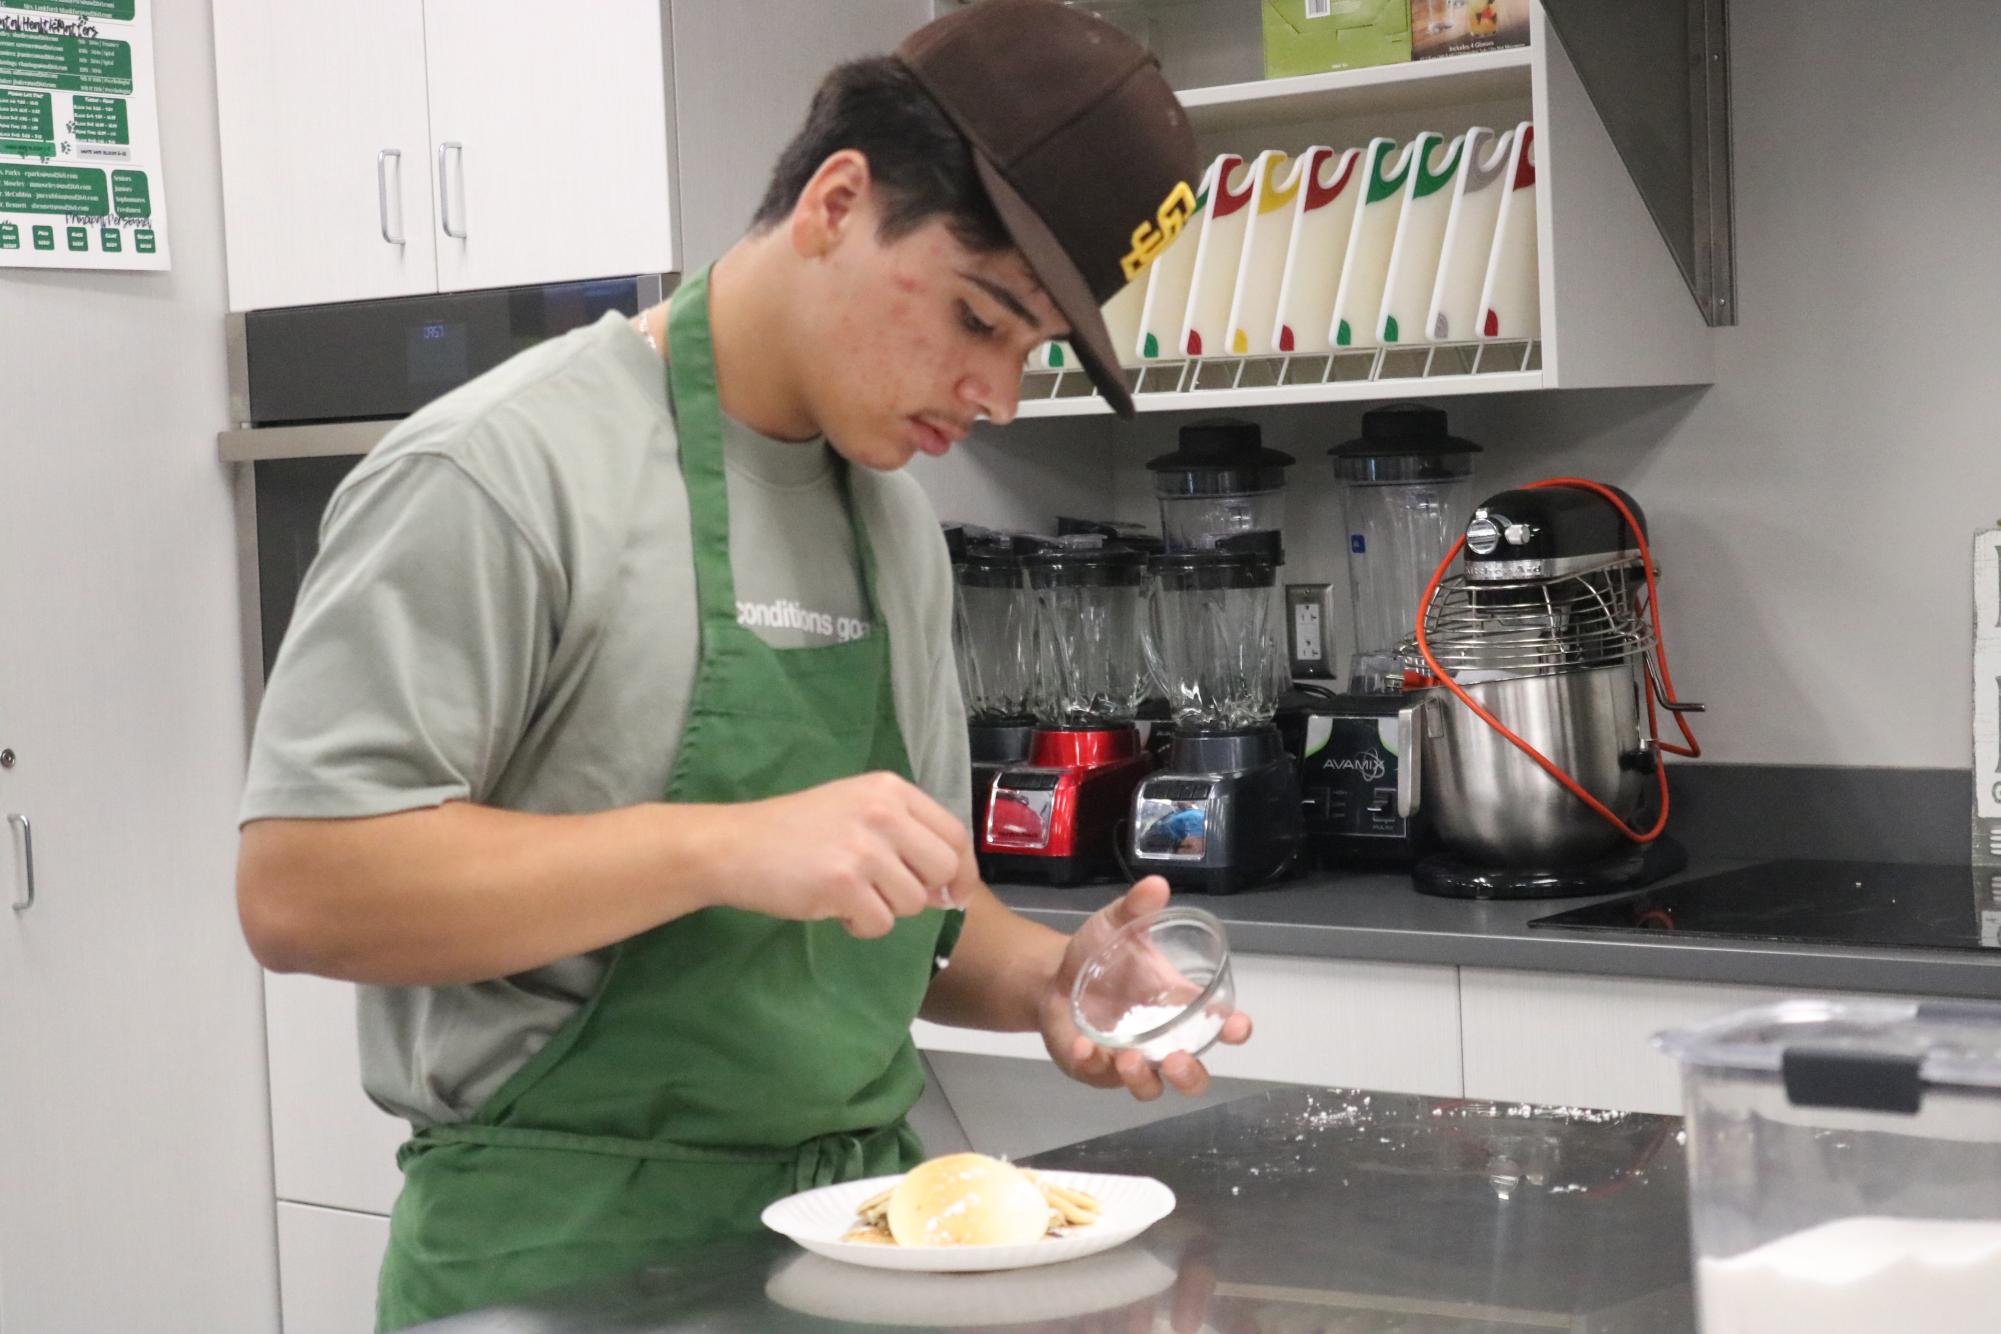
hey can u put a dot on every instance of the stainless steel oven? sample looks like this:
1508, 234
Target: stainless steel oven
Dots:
313, 388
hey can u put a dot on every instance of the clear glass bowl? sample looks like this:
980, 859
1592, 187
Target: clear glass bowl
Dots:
1160, 985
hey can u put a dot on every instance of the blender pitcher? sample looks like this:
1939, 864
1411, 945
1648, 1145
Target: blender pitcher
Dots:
1088, 665
1406, 491
1209, 642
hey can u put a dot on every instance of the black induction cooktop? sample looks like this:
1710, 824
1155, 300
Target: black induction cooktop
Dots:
1815, 902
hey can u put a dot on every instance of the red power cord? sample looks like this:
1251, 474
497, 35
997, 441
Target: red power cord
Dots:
1444, 678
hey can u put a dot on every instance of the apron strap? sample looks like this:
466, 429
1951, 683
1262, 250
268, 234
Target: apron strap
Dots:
821, 1161
698, 428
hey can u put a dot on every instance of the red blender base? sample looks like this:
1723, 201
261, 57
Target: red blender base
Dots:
1058, 818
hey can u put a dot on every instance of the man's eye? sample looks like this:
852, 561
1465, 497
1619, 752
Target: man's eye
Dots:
973, 324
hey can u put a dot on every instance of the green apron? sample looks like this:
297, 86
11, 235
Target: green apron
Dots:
727, 1059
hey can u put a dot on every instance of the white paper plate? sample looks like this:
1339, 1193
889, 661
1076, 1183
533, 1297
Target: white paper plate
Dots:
814, 1285
818, 1219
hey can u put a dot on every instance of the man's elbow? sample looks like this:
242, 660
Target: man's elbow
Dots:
273, 905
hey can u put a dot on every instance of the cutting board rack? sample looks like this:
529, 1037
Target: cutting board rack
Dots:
1601, 304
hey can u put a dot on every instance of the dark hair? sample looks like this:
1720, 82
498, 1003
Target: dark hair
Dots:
920, 163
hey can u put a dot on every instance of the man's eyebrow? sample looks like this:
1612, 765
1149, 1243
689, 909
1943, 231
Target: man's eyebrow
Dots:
1002, 295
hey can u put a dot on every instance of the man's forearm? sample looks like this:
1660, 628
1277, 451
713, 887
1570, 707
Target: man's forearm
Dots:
461, 893
1001, 970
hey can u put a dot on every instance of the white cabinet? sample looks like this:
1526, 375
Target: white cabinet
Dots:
388, 147
550, 137
331, 1259
1585, 1041
329, 1144
1386, 1026
135, 1178
326, 150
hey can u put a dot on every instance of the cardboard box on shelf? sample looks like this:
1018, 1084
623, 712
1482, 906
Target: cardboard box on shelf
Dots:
1315, 36
1454, 27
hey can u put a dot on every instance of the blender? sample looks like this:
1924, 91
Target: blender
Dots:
1055, 817
1406, 488
1220, 481
993, 636
1224, 813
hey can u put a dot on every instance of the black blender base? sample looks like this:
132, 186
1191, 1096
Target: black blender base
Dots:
1004, 868
1448, 877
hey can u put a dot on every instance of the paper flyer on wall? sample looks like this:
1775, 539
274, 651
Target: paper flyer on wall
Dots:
80, 179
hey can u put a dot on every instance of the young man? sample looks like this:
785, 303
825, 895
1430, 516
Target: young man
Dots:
616, 746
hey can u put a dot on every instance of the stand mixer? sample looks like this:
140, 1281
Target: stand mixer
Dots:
1224, 812
1531, 736
1055, 818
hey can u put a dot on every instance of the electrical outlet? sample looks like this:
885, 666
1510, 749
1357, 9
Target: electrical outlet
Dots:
1309, 629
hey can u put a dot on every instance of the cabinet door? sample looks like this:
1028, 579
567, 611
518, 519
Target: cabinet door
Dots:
329, 1259
549, 141
1338, 1022
329, 1144
326, 183
135, 1169
1587, 1041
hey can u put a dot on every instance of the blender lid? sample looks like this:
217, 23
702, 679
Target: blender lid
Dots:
1869, 1054
1549, 524
1404, 442
1241, 560
1224, 456
1084, 559
985, 559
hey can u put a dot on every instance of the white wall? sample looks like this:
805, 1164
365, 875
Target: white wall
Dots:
1813, 509
136, 1131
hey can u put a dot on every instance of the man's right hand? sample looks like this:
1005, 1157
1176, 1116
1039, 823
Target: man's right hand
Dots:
864, 851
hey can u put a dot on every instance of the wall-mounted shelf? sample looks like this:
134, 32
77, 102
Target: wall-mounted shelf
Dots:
1482, 76
1612, 304
1221, 383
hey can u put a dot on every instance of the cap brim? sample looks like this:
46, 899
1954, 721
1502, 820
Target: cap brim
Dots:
1064, 282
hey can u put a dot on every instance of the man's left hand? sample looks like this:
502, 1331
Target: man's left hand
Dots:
1088, 1063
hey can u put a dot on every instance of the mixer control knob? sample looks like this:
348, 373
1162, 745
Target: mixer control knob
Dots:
1483, 534
1519, 534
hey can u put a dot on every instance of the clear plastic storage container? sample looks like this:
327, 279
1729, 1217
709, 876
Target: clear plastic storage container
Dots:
1845, 1167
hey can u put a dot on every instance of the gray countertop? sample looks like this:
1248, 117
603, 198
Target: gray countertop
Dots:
1378, 916
1297, 1210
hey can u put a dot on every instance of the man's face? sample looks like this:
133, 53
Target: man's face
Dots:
916, 339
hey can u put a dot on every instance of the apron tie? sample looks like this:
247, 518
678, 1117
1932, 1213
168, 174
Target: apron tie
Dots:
829, 1159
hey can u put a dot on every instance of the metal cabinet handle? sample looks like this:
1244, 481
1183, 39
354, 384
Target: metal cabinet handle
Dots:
382, 192
27, 899
445, 152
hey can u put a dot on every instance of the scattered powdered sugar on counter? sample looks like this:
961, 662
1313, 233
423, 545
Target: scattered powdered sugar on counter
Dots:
1859, 1276
1191, 1036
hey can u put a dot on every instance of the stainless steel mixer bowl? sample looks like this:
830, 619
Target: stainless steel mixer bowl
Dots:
1494, 806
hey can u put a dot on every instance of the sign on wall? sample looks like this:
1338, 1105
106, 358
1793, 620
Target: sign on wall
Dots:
80, 182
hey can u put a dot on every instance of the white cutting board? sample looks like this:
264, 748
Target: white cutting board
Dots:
1323, 214
1054, 355
1169, 276
1262, 268
1413, 272
1122, 314
1366, 267
1469, 236
1219, 247
1511, 297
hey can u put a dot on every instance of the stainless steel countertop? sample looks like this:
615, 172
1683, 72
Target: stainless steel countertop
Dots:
1378, 916
1308, 1210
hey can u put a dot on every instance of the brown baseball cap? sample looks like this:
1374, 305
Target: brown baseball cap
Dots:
1084, 149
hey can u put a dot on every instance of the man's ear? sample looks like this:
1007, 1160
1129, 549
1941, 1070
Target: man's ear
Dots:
835, 203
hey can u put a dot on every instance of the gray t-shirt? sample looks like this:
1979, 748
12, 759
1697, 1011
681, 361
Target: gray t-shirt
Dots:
503, 611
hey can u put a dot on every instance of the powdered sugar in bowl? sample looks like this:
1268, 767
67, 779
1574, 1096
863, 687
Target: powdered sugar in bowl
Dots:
1160, 985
